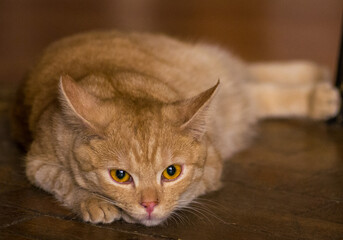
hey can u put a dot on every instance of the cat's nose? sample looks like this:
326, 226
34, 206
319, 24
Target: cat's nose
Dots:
149, 206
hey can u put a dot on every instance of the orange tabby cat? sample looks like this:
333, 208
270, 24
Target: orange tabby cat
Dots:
135, 126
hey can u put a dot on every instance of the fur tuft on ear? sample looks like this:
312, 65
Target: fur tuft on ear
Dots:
195, 112
80, 107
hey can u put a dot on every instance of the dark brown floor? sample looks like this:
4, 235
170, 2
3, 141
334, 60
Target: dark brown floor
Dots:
287, 185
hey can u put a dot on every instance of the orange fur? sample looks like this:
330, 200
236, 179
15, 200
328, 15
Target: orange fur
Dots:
141, 102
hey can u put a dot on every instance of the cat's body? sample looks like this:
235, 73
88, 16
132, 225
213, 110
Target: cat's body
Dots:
138, 102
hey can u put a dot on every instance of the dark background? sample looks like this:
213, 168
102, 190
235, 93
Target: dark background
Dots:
256, 30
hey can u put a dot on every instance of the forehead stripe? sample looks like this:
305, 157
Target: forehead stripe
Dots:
136, 155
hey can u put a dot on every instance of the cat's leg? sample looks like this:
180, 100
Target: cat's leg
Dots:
45, 172
298, 88
313, 100
291, 73
211, 179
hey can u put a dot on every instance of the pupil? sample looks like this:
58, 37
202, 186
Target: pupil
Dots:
171, 170
120, 174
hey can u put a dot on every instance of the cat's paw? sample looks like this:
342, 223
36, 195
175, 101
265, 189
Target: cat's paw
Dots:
128, 218
95, 210
324, 102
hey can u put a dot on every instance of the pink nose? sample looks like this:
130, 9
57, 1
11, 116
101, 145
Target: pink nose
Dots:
149, 206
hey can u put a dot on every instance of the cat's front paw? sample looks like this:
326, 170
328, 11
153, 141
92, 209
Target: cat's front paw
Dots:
128, 218
324, 102
95, 210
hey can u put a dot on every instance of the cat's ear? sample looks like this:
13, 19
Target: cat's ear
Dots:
82, 108
195, 112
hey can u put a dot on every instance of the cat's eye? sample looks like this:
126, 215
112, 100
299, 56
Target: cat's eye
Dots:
120, 176
172, 172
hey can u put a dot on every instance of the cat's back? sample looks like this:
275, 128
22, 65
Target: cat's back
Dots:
186, 68
189, 67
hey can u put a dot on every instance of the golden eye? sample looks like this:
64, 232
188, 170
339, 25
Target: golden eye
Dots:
120, 176
172, 172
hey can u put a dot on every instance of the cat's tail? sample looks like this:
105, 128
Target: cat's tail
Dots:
293, 89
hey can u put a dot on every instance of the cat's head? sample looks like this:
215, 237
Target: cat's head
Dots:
145, 156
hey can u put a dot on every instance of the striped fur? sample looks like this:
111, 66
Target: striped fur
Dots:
141, 102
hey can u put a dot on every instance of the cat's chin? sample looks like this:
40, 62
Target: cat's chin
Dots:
151, 222
146, 222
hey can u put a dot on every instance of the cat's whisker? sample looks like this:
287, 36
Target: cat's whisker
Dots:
199, 212
179, 215
188, 220
201, 209
212, 214
168, 221
106, 199
183, 222
198, 215
204, 207
184, 217
176, 218
209, 208
210, 203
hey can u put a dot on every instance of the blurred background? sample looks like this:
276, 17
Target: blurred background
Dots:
256, 30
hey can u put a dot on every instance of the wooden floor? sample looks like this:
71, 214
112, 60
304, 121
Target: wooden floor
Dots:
287, 185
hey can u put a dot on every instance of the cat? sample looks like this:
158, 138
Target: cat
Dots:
135, 126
